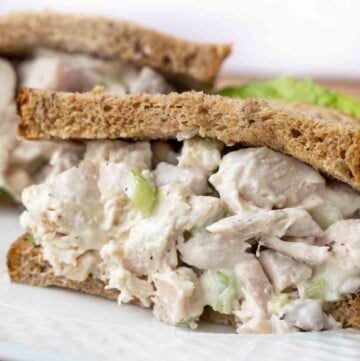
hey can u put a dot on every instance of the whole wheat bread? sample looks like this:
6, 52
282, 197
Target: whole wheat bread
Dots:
325, 139
189, 64
26, 265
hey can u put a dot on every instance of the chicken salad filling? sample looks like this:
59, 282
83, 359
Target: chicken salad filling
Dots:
250, 232
25, 162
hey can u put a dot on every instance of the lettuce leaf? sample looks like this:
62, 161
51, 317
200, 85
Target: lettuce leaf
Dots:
288, 89
4, 193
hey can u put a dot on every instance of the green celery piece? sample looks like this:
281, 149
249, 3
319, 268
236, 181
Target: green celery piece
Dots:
31, 239
278, 301
315, 290
141, 192
288, 89
186, 323
225, 290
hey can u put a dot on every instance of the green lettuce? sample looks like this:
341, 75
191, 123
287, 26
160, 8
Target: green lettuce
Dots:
288, 89
4, 193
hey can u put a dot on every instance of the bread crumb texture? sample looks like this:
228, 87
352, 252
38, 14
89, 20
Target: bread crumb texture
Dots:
323, 138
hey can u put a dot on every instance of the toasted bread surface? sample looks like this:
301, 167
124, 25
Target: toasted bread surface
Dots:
325, 139
190, 64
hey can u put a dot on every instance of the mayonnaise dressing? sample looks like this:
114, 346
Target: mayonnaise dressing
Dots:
237, 248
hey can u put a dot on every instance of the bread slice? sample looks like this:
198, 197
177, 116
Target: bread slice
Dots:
26, 265
325, 139
7, 202
189, 64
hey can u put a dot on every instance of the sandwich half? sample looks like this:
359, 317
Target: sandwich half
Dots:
66, 52
199, 206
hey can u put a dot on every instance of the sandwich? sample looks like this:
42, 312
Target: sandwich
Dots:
65, 52
239, 211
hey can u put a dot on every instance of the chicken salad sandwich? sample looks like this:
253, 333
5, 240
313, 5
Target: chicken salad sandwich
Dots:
199, 206
65, 52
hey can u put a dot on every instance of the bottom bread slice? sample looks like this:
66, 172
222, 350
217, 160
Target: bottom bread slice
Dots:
26, 264
7, 202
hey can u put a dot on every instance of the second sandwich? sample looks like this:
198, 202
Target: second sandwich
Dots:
64, 52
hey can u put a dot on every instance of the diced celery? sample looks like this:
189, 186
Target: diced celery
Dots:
315, 290
220, 290
141, 191
188, 322
278, 301
31, 239
96, 275
225, 287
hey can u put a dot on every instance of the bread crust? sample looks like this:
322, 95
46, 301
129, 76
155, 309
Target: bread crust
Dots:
7, 202
26, 264
323, 138
189, 64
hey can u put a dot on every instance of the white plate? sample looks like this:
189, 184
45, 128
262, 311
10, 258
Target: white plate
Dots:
54, 324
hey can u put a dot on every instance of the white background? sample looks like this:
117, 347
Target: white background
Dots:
306, 37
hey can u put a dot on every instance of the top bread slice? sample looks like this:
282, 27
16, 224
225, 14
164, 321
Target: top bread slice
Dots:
325, 139
187, 64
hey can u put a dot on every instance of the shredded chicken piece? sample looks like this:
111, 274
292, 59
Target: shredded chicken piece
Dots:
202, 154
85, 264
194, 178
112, 270
151, 82
305, 314
283, 271
251, 225
177, 298
257, 291
341, 196
211, 251
298, 250
261, 177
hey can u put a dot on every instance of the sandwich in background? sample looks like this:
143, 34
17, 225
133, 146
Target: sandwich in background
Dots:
65, 52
